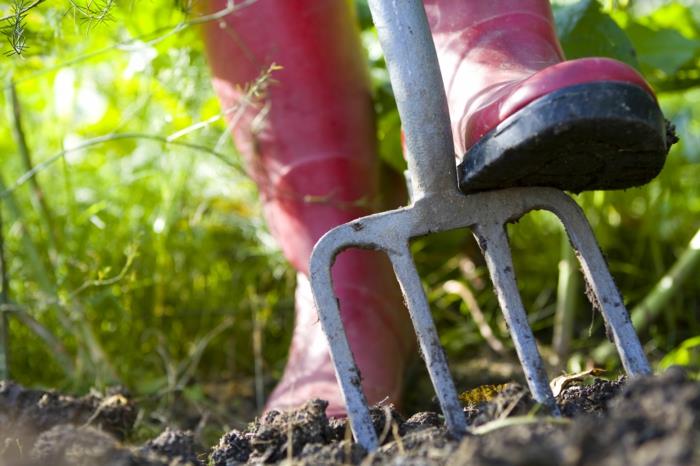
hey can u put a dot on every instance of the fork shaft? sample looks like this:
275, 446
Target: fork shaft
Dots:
346, 371
413, 67
494, 245
431, 349
605, 296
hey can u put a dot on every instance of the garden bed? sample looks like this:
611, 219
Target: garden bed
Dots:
648, 421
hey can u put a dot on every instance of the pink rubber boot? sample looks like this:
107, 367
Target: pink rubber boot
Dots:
521, 115
309, 143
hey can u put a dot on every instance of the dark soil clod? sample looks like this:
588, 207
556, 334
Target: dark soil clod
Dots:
514, 400
233, 448
68, 444
421, 421
279, 435
35, 411
589, 399
175, 445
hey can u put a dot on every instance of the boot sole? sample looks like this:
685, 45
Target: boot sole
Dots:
605, 135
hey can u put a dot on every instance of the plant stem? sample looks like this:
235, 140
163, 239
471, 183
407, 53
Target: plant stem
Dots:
28, 247
497, 424
460, 289
23, 11
4, 298
140, 40
567, 300
658, 298
258, 360
109, 138
58, 351
652, 305
44, 282
24, 152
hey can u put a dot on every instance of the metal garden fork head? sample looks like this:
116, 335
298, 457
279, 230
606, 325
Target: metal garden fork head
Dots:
437, 205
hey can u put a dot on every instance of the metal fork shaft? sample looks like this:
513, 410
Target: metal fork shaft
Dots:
494, 245
346, 371
431, 349
604, 293
412, 63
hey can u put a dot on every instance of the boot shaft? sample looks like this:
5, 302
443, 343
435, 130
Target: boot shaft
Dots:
484, 45
309, 138
497, 56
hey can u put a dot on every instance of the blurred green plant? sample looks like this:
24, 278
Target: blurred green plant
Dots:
132, 238
132, 244
686, 354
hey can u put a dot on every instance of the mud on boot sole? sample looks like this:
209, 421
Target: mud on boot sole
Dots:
604, 135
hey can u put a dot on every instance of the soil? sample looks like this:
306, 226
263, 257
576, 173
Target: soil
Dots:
646, 421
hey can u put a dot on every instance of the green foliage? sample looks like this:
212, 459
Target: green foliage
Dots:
151, 237
686, 354
667, 42
584, 31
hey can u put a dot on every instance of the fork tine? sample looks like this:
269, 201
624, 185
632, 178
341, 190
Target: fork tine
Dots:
487, 214
494, 245
431, 349
605, 296
346, 370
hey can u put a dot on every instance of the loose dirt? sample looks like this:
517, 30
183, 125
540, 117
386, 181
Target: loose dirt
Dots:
646, 421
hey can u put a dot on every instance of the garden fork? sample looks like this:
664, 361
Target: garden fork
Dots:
437, 205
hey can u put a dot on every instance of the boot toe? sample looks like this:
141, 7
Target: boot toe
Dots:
602, 135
